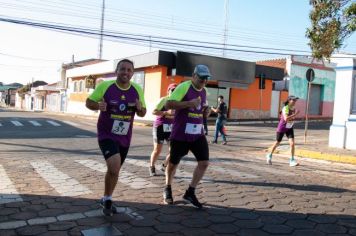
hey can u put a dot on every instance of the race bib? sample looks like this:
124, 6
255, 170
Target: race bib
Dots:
120, 127
289, 125
193, 128
167, 128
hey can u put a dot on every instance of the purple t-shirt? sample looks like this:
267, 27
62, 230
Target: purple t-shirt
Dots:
116, 122
188, 122
160, 120
283, 125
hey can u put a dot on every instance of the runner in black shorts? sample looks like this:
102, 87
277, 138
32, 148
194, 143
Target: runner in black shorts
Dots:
285, 127
189, 102
162, 127
118, 101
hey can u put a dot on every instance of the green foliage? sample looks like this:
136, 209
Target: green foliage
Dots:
332, 22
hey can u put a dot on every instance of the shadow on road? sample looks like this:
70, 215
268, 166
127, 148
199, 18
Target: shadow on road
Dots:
41, 214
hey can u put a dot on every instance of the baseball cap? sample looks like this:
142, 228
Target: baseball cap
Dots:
292, 98
171, 87
202, 71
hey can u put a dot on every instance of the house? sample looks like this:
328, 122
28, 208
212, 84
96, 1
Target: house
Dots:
322, 88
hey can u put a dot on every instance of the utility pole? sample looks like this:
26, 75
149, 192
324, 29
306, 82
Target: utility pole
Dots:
101, 31
226, 19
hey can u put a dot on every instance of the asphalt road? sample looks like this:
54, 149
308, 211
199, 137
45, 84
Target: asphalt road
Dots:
51, 178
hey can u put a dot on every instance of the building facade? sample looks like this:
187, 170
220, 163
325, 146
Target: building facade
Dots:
238, 81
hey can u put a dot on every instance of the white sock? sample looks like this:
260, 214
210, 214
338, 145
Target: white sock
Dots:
107, 198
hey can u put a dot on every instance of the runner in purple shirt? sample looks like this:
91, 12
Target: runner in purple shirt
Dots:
118, 102
162, 127
285, 127
189, 102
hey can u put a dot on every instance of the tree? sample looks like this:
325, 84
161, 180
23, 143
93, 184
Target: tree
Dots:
332, 22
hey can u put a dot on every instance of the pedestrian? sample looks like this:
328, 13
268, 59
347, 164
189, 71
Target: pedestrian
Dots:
118, 101
221, 111
285, 127
188, 100
162, 127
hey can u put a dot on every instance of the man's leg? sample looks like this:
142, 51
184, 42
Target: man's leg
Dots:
177, 151
222, 132
200, 149
199, 173
113, 169
217, 128
157, 148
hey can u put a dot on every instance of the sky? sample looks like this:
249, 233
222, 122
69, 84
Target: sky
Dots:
29, 53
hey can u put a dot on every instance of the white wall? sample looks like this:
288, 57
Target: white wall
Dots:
343, 129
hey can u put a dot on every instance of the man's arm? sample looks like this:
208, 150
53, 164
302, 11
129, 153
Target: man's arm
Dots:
176, 105
94, 106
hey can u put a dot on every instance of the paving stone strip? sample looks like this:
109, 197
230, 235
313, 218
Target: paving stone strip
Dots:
8, 192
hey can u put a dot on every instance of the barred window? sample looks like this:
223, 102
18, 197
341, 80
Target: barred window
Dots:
353, 96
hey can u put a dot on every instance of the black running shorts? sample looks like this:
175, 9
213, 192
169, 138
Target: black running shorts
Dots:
289, 134
110, 147
159, 135
199, 148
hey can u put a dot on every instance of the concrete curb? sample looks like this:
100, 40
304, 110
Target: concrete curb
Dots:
322, 156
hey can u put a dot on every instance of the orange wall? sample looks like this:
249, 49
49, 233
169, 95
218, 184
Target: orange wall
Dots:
250, 98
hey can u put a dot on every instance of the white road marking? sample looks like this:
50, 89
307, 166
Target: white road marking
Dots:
61, 182
8, 192
179, 173
223, 170
125, 177
71, 123
35, 123
16, 123
53, 123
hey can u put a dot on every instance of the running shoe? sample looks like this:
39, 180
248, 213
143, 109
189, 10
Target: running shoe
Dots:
224, 143
108, 208
152, 171
167, 196
269, 159
213, 142
191, 198
293, 163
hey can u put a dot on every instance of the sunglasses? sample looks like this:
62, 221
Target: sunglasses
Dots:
204, 78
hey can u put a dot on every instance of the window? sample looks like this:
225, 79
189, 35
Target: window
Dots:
75, 89
139, 78
81, 86
353, 96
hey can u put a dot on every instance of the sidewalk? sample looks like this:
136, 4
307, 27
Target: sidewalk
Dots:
317, 145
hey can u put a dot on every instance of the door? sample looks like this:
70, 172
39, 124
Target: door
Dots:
275, 104
315, 100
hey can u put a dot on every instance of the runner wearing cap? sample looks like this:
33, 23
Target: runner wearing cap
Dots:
162, 127
189, 102
285, 127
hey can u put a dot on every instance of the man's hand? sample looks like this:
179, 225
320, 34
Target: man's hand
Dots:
195, 103
138, 105
102, 105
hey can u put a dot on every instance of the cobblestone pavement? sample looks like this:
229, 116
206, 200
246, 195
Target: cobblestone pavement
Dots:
51, 178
